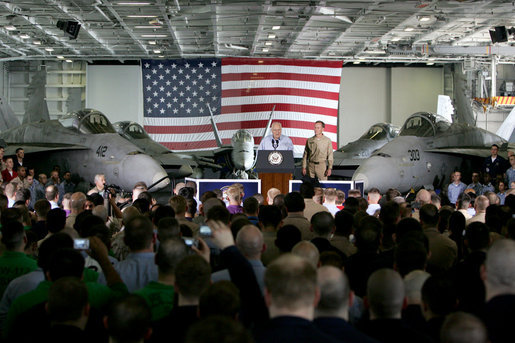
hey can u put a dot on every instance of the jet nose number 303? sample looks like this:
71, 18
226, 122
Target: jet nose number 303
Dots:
414, 155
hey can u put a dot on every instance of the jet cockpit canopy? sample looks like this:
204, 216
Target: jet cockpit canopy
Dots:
380, 131
88, 121
131, 129
424, 124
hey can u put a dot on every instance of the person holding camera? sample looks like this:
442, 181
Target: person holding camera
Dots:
100, 185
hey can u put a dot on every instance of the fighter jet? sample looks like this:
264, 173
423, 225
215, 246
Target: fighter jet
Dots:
85, 143
348, 158
429, 147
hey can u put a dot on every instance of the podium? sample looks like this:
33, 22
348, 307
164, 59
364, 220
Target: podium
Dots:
275, 169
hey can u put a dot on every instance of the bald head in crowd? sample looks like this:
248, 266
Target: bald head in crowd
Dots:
250, 243
78, 200
334, 293
499, 274
481, 203
423, 197
461, 327
271, 194
385, 293
130, 213
101, 212
291, 287
307, 251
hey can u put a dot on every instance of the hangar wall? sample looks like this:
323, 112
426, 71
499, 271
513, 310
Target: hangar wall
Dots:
373, 95
115, 91
364, 101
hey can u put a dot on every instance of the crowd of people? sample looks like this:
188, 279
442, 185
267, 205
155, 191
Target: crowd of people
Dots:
317, 265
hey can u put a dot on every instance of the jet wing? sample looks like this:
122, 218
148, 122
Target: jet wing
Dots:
41, 147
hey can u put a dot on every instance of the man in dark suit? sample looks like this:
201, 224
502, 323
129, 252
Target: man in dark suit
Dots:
495, 164
18, 159
291, 293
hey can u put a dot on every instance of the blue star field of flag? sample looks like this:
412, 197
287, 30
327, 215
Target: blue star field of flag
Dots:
182, 87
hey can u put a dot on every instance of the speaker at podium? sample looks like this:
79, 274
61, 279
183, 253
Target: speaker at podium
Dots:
275, 168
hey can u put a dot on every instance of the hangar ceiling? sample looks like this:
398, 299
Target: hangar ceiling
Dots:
353, 31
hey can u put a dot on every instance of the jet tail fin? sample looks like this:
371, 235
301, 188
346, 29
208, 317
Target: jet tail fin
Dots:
8, 119
445, 107
267, 127
267, 130
505, 131
215, 129
37, 108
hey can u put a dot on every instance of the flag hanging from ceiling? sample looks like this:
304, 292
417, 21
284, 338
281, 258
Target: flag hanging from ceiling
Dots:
241, 93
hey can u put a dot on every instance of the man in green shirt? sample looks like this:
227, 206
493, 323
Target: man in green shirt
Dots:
14, 262
159, 294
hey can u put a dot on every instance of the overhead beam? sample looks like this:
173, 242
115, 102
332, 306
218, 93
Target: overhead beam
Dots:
214, 23
313, 10
400, 25
171, 28
264, 12
361, 15
124, 25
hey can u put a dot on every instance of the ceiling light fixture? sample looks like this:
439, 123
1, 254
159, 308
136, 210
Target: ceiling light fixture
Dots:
152, 42
60, 57
36, 42
424, 18
69, 61
344, 18
234, 46
276, 27
49, 49
356, 62
430, 63
375, 52
265, 49
271, 36
396, 39
148, 26
154, 36
133, 3
268, 43
161, 56
10, 27
409, 29
157, 51
141, 16
24, 36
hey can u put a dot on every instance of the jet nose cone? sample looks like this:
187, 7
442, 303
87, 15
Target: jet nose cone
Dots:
144, 168
377, 172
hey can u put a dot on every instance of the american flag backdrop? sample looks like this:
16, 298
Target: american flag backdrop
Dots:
241, 93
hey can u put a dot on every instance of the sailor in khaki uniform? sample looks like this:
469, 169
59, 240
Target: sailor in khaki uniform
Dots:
318, 154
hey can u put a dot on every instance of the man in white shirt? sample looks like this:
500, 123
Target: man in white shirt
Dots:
330, 200
276, 141
373, 201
